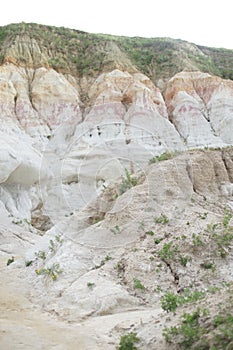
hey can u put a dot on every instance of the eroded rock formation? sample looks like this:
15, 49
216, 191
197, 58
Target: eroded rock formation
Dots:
97, 176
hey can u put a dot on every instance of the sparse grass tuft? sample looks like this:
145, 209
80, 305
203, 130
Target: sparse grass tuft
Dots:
184, 260
162, 157
162, 219
52, 271
208, 265
128, 182
115, 229
150, 233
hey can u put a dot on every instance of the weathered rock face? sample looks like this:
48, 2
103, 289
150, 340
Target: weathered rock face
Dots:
37, 100
127, 122
99, 264
80, 176
200, 107
28, 50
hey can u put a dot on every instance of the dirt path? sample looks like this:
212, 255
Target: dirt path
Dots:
24, 326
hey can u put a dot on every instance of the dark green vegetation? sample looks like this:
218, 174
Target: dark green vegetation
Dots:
128, 341
80, 53
207, 323
198, 331
10, 261
171, 301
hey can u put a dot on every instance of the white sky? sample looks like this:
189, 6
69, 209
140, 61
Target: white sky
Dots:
204, 22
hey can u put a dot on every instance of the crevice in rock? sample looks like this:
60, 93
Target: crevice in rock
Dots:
190, 176
213, 131
50, 129
205, 111
177, 129
30, 81
226, 165
173, 273
15, 107
126, 102
15, 103
21, 238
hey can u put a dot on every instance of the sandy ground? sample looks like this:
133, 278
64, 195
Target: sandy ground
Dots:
24, 326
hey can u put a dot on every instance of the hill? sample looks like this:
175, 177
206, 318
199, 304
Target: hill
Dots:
116, 192
80, 53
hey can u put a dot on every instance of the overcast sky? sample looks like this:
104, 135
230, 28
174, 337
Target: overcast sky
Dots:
202, 22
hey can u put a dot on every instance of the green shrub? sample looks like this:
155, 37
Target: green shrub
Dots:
188, 333
222, 235
192, 333
184, 260
10, 261
128, 182
40, 254
167, 252
224, 337
150, 233
52, 271
128, 341
227, 217
54, 244
90, 285
158, 240
170, 301
138, 284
